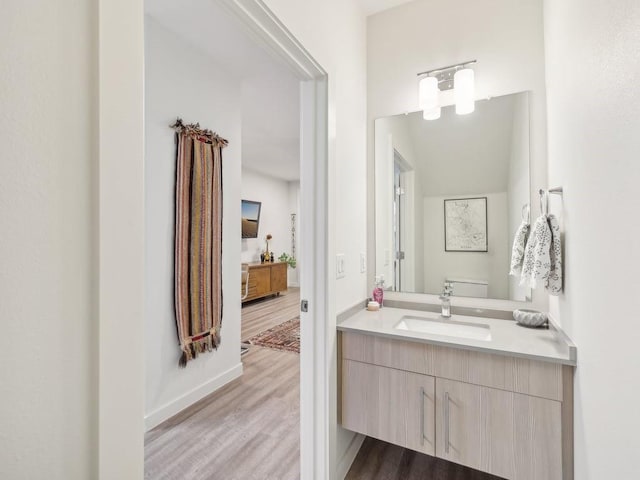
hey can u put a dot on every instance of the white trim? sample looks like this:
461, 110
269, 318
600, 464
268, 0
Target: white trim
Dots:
316, 436
266, 28
120, 241
315, 358
170, 409
349, 456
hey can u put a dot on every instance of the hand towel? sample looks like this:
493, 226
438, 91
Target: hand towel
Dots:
537, 256
517, 251
554, 281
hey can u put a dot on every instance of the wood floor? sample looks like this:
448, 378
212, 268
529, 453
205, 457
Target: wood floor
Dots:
247, 430
378, 460
250, 428
263, 314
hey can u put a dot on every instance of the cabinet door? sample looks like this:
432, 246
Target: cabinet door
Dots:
261, 278
278, 277
388, 404
507, 434
458, 422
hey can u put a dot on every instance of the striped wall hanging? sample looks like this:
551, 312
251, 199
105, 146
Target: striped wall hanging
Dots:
198, 239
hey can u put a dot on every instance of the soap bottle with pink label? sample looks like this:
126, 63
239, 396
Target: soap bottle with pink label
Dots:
378, 291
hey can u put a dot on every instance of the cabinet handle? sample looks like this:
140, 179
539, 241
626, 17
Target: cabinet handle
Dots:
446, 422
422, 395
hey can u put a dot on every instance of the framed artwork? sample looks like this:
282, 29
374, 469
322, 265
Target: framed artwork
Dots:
250, 218
465, 225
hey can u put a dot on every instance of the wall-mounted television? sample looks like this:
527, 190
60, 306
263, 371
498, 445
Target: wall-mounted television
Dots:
250, 218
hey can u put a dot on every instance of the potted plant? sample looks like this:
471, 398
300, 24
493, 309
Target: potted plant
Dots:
288, 259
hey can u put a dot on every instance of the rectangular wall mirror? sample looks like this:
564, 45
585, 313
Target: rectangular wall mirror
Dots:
450, 194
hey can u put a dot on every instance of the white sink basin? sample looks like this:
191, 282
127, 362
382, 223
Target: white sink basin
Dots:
447, 328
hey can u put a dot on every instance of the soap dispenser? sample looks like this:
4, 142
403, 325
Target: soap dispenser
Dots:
378, 291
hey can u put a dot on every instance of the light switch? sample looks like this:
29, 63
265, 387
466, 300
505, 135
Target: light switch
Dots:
340, 267
363, 262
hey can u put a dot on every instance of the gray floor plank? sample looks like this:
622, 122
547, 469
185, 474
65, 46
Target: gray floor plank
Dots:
250, 428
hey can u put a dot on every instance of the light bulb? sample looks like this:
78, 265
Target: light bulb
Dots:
464, 91
429, 98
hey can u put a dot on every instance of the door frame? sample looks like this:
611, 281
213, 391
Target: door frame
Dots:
120, 238
406, 211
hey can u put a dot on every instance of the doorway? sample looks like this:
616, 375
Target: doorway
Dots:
213, 73
404, 211
122, 280
398, 223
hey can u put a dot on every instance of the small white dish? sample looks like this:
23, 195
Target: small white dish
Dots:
373, 306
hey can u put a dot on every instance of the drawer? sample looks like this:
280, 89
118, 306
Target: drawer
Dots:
521, 375
410, 356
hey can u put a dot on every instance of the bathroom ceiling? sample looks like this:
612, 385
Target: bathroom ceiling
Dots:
270, 93
464, 154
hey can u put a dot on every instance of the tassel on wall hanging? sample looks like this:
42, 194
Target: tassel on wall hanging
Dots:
198, 239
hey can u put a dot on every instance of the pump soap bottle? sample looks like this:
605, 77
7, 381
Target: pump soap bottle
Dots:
378, 291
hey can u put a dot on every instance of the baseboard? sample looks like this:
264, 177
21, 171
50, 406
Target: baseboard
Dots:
174, 407
349, 456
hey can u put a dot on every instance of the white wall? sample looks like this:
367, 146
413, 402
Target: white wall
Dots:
392, 134
48, 82
594, 148
383, 191
506, 37
271, 122
334, 32
294, 207
418, 209
518, 184
274, 214
489, 266
211, 97
48, 206
464, 154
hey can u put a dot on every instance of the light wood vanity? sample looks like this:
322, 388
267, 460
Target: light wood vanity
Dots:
507, 415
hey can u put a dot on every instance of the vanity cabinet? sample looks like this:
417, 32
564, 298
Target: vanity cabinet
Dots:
503, 433
508, 416
392, 405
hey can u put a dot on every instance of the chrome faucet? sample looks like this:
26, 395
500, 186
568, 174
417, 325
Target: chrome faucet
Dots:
445, 297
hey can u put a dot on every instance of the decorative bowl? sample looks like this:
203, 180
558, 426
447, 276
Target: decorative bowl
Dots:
530, 318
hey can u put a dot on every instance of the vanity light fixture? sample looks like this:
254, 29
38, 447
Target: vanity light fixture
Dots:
464, 91
459, 77
429, 98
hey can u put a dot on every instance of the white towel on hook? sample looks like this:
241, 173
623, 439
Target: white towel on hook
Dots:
554, 281
537, 256
517, 251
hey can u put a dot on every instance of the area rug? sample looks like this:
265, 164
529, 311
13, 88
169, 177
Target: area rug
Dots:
284, 337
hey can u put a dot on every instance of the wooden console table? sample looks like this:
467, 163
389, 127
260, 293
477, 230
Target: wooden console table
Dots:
266, 279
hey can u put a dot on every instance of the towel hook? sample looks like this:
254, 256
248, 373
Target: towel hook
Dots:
544, 205
526, 213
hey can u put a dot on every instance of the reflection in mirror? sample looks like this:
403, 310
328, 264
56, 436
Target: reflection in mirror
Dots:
450, 194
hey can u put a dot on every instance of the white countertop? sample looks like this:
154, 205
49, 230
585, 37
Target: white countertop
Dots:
507, 337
